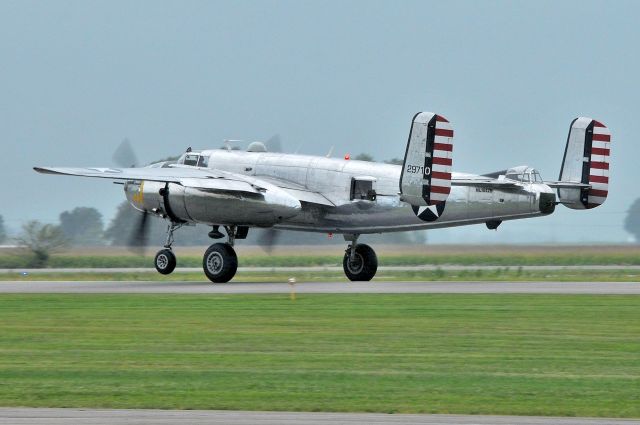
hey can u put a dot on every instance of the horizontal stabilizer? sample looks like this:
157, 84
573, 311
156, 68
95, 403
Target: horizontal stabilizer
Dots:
489, 183
567, 185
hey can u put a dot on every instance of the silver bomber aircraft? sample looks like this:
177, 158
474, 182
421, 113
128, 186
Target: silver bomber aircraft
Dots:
242, 190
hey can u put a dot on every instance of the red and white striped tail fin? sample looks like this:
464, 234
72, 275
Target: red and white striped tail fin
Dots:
426, 170
586, 161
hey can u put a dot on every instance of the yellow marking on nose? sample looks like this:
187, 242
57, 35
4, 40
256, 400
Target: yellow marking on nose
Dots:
138, 198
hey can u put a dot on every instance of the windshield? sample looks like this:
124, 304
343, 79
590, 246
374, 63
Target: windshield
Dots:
191, 159
517, 177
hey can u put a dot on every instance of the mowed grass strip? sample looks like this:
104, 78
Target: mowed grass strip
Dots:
490, 354
332, 256
498, 274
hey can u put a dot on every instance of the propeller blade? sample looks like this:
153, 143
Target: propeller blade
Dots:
274, 144
124, 156
269, 239
140, 234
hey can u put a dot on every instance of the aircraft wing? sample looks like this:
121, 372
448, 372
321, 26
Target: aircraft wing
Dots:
299, 191
170, 174
200, 178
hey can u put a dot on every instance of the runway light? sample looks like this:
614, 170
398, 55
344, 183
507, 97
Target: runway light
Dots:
292, 284
347, 157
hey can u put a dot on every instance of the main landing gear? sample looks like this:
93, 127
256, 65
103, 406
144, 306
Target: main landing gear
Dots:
220, 261
360, 262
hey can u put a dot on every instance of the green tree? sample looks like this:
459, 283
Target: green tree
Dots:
3, 231
82, 226
123, 226
394, 161
632, 221
42, 240
364, 157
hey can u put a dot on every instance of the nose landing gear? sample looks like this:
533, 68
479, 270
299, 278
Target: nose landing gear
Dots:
165, 260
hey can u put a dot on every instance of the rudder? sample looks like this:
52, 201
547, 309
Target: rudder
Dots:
586, 161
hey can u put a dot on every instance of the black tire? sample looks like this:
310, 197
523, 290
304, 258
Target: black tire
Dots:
165, 261
220, 263
364, 267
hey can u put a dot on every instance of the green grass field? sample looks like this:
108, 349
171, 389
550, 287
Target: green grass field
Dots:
388, 255
499, 274
493, 354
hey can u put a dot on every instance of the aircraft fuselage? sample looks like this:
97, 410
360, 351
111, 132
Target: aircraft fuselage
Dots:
338, 212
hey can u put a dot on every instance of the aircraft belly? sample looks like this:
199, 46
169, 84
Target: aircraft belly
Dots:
387, 214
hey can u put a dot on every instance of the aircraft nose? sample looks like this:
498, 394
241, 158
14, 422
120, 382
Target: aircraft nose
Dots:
547, 203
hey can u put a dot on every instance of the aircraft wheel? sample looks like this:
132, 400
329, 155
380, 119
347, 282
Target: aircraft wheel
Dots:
165, 261
364, 265
220, 263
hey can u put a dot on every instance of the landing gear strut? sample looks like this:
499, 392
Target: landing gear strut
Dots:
220, 261
165, 260
360, 262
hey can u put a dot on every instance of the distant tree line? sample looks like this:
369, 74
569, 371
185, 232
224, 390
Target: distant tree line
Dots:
632, 221
3, 231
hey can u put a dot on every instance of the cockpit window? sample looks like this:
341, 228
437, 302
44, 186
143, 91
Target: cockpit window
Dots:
203, 161
191, 159
516, 177
524, 174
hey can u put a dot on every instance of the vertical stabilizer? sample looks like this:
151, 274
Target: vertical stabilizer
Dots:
586, 161
426, 170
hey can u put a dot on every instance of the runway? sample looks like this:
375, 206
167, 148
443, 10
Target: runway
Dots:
373, 287
23, 416
279, 269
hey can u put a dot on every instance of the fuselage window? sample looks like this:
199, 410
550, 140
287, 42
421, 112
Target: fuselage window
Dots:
203, 161
362, 190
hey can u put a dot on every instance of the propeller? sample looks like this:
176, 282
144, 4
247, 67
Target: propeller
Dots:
274, 144
268, 239
124, 156
140, 234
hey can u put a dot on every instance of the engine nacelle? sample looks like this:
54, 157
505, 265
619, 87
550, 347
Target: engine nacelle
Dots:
189, 204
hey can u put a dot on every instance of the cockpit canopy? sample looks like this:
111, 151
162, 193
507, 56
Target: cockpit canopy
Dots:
194, 159
524, 173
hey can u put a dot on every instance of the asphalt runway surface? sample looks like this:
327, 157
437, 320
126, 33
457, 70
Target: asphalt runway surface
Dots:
425, 268
23, 416
373, 287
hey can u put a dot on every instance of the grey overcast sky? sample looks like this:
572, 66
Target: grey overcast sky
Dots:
76, 77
